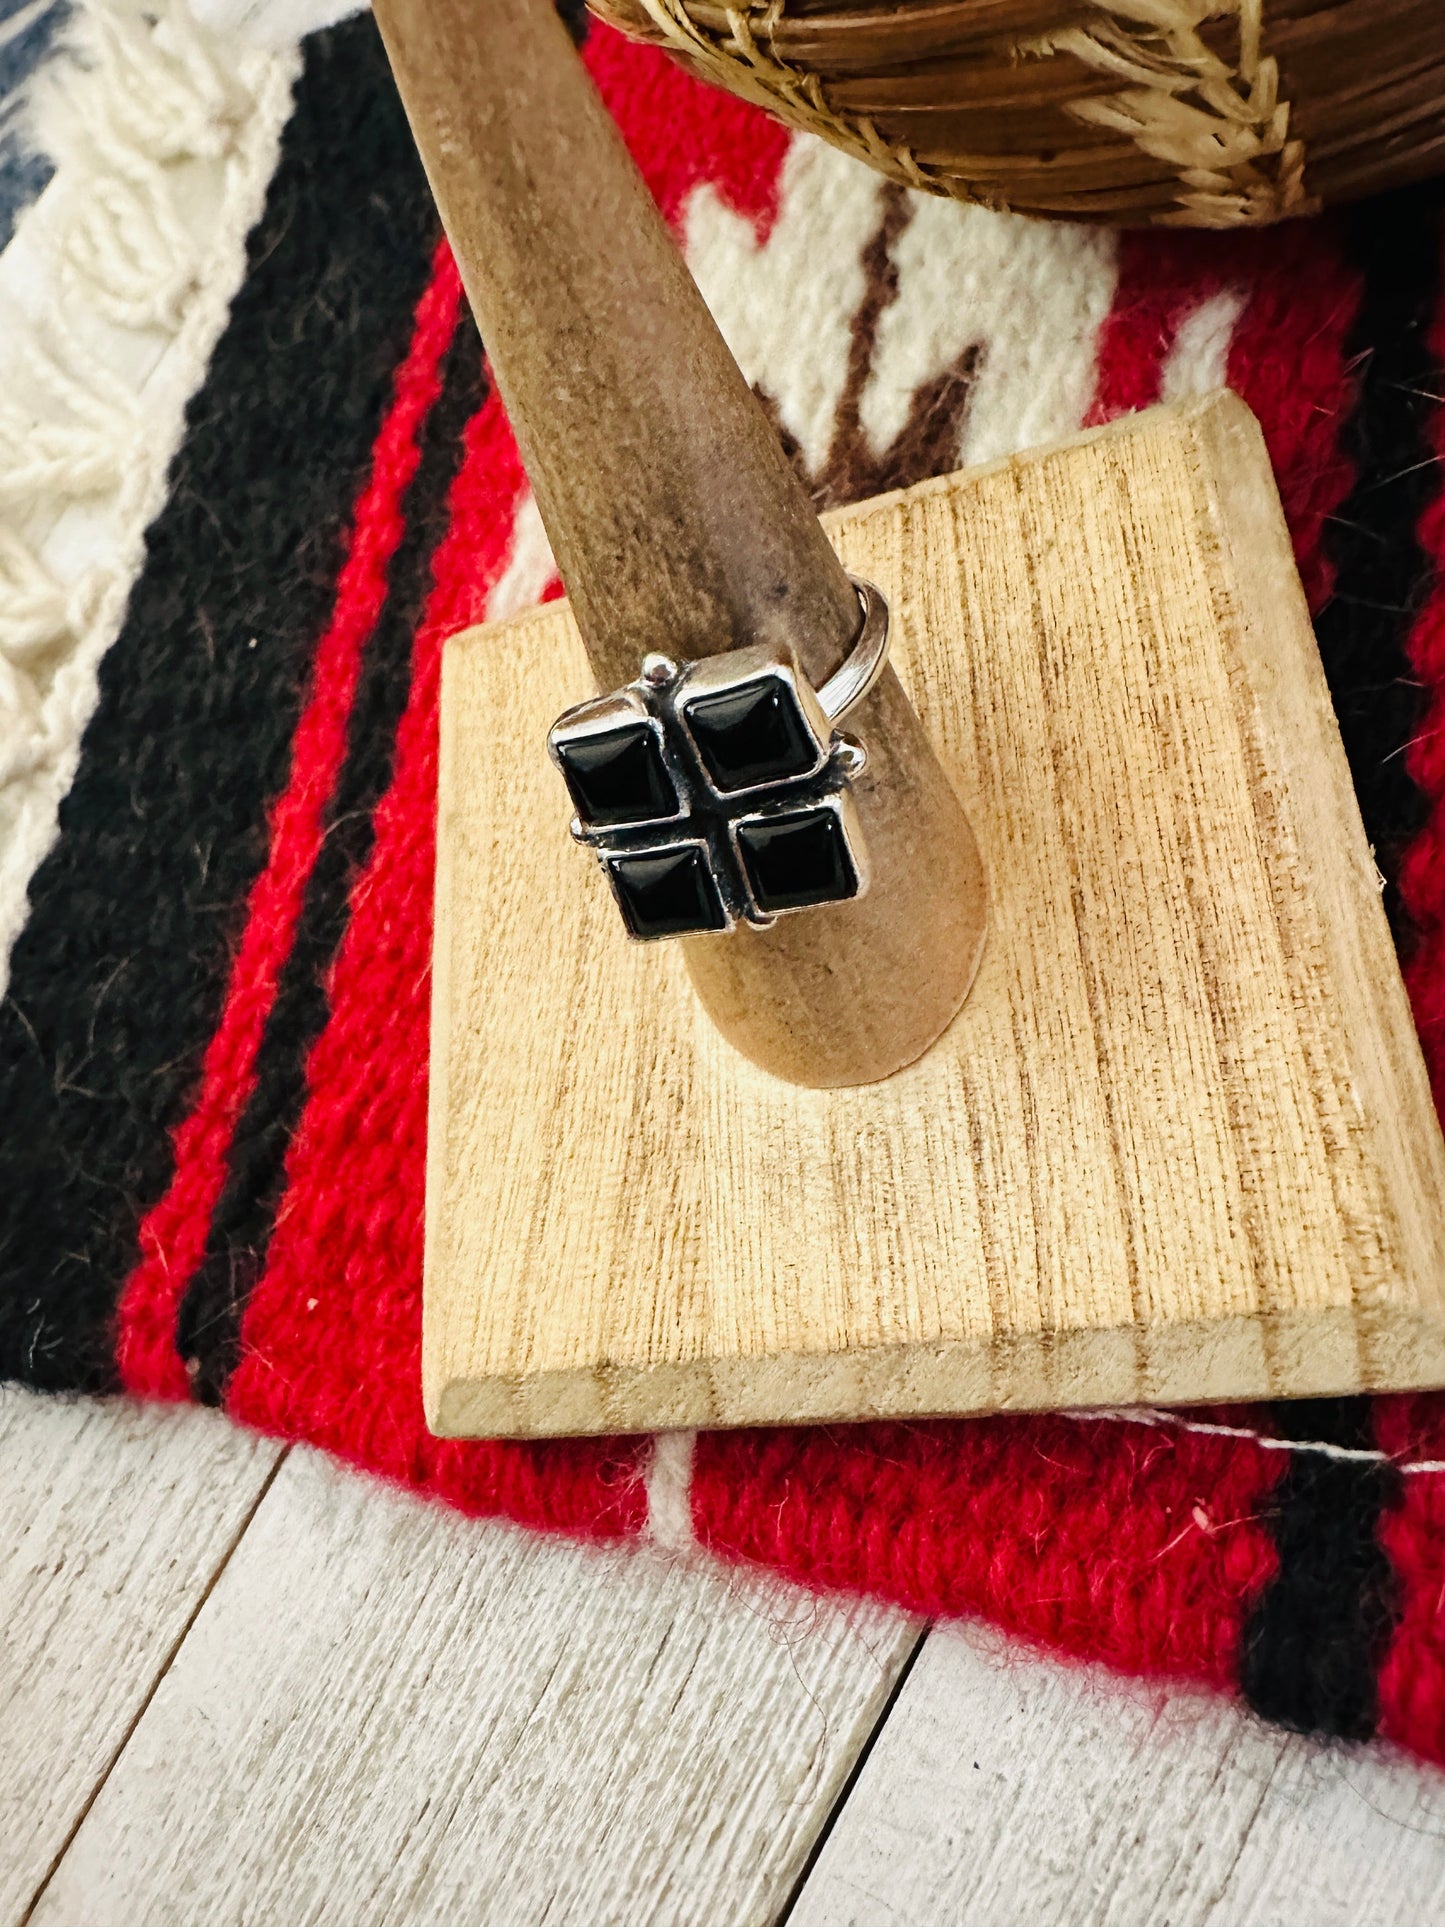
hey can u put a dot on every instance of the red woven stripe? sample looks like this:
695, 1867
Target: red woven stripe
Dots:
1287, 356
683, 135
1289, 360
1412, 1679
1422, 874
1161, 280
173, 1233
331, 1337
1109, 1541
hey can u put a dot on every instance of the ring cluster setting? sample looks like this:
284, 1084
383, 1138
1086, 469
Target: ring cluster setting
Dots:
717, 793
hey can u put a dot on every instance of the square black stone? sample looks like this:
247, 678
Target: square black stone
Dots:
618, 775
798, 858
666, 893
753, 734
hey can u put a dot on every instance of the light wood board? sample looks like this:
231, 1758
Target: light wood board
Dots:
386, 1713
1164, 1809
742, 1708
1179, 1144
113, 1524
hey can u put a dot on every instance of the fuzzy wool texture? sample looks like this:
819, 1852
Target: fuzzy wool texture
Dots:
216, 1040
160, 142
26, 35
273, 23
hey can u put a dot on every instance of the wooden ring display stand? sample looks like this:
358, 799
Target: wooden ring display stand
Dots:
1178, 1143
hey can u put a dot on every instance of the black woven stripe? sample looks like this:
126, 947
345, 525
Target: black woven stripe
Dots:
1314, 1642
1382, 573
209, 1328
119, 974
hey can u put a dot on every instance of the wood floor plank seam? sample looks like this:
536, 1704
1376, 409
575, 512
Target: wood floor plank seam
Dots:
282, 1453
855, 1772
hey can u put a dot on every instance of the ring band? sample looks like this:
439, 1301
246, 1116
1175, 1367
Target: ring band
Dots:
865, 662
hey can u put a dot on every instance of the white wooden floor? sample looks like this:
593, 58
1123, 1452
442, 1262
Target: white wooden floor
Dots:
241, 1685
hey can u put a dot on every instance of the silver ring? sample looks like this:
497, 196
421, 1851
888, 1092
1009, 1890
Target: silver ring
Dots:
718, 792
865, 662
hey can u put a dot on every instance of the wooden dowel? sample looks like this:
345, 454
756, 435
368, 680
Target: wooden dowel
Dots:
677, 523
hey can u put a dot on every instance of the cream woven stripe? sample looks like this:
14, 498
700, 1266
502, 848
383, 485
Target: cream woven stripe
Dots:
1221, 129
113, 293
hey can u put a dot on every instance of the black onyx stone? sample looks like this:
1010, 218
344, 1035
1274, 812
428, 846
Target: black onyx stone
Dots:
796, 859
617, 776
755, 734
667, 892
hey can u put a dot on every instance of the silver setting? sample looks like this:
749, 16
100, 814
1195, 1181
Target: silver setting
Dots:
733, 674
865, 662
796, 787
604, 716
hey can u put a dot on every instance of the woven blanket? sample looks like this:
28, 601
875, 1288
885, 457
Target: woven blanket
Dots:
252, 475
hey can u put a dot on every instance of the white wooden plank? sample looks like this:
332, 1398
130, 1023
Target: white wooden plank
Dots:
113, 1522
388, 1713
1006, 1787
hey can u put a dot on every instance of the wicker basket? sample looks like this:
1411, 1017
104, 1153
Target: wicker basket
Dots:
1200, 113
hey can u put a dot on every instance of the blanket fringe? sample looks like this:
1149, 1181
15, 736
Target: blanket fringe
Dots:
112, 296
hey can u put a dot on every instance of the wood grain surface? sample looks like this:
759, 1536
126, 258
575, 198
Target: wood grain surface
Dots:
1178, 1145
383, 1711
113, 1525
386, 1713
1164, 1809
